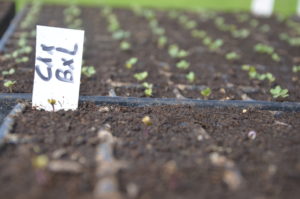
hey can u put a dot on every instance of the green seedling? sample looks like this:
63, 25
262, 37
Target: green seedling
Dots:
243, 17
253, 74
254, 23
265, 49
52, 102
206, 92
106, 11
149, 14
183, 19
124, 45
8, 72
232, 56
148, 89
279, 92
240, 34
88, 71
183, 64
219, 21
296, 69
141, 76
216, 44
265, 28
292, 41
120, 34
158, 31
276, 57
173, 14
22, 42
131, 62
22, 60
190, 25
9, 84
262, 48
162, 41
191, 77
175, 52
198, 34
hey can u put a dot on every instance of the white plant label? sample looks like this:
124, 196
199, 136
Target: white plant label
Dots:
262, 7
57, 68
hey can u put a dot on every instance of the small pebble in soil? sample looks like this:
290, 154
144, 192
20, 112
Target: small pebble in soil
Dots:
245, 110
252, 135
65, 166
40, 161
147, 121
132, 190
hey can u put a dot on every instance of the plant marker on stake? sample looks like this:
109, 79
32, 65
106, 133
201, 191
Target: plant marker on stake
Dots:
262, 7
57, 68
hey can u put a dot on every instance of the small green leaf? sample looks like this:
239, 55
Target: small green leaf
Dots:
124, 45
206, 92
191, 77
132, 61
88, 71
8, 72
183, 64
141, 76
279, 92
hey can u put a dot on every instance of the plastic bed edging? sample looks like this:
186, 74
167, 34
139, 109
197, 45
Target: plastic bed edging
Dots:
142, 102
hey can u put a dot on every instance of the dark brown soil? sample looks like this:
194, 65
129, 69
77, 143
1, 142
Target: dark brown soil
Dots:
187, 152
7, 11
226, 78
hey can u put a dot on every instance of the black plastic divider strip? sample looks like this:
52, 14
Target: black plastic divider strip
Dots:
9, 120
142, 102
11, 29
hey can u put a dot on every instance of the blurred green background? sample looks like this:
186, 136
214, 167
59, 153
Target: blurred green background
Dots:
286, 7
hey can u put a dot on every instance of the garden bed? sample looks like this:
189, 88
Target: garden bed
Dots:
234, 55
181, 152
7, 12
227, 145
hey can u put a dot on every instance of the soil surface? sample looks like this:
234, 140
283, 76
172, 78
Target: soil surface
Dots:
225, 77
7, 11
183, 152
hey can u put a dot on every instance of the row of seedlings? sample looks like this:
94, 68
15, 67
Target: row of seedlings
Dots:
20, 55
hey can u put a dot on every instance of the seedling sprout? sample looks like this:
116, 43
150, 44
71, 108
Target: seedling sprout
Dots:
9, 84
183, 64
191, 77
206, 92
296, 69
131, 62
141, 76
124, 45
8, 72
148, 89
232, 56
52, 102
175, 52
162, 41
279, 92
88, 71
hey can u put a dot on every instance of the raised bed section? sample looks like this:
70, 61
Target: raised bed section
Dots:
183, 152
236, 55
